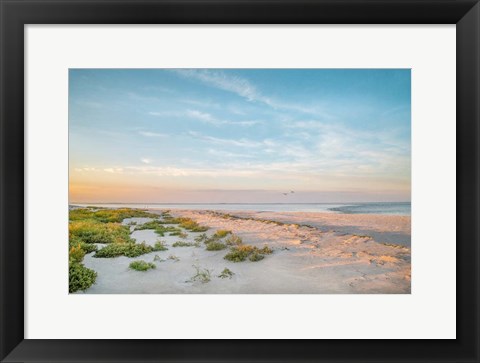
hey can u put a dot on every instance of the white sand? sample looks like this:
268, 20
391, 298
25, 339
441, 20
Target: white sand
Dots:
383, 228
334, 257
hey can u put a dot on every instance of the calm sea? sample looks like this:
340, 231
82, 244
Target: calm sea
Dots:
344, 208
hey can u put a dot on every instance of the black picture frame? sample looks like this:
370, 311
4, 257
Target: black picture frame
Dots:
15, 14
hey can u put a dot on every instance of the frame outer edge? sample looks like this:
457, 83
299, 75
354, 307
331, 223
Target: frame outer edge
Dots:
11, 179
11, 108
468, 173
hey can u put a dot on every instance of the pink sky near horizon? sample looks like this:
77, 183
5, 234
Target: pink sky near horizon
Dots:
135, 194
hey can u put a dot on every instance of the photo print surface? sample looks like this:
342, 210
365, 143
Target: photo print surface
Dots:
239, 181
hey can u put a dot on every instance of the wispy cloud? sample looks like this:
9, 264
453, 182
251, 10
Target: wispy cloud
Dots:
202, 103
227, 154
113, 170
245, 89
152, 134
242, 142
165, 113
146, 160
79, 170
203, 117
221, 80
173, 171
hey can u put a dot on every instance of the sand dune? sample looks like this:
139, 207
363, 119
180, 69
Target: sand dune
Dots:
328, 256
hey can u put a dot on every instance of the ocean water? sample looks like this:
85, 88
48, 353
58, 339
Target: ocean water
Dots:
342, 208
374, 208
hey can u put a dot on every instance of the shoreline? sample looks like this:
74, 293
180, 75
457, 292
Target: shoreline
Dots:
330, 208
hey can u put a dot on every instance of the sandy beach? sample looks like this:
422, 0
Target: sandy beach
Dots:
313, 253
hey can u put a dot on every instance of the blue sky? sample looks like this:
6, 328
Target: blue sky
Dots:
239, 135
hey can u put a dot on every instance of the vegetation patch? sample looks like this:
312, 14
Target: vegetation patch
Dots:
234, 240
183, 244
255, 256
265, 250
80, 277
160, 246
76, 254
88, 226
242, 252
226, 273
215, 246
105, 215
202, 238
239, 253
86, 247
159, 228
179, 234
202, 275
173, 258
192, 226
221, 233
158, 258
128, 249
141, 265
92, 231
186, 223
148, 225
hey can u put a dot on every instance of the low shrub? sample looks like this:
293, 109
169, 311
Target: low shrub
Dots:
221, 233
159, 228
106, 215
201, 275
183, 244
255, 256
158, 258
226, 273
239, 253
201, 238
86, 247
91, 231
159, 246
191, 225
215, 246
265, 250
76, 254
179, 234
234, 240
141, 265
123, 249
148, 225
80, 277
118, 215
242, 252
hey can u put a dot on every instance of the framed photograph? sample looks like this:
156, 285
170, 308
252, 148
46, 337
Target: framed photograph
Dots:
240, 181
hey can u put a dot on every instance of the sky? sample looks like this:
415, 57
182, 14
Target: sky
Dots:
239, 135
